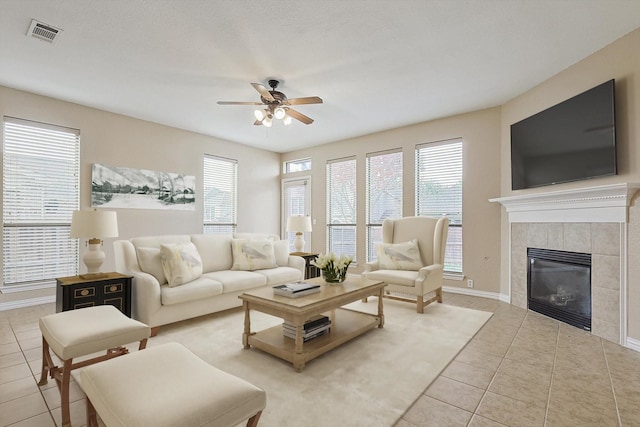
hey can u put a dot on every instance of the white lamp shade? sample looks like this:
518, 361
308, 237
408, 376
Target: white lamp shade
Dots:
94, 224
299, 223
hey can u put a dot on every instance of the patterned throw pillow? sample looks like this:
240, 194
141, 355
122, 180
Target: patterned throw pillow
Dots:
181, 263
252, 254
399, 256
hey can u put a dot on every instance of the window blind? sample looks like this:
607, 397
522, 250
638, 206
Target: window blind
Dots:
220, 185
439, 192
341, 206
41, 168
384, 194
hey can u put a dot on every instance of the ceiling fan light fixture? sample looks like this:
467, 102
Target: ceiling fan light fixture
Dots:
279, 113
268, 121
286, 120
260, 115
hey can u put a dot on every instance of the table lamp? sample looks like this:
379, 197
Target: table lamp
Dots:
300, 224
94, 225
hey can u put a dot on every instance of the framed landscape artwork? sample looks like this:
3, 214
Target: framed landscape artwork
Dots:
120, 187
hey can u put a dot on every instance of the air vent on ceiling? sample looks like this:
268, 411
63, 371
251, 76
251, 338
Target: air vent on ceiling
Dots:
43, 31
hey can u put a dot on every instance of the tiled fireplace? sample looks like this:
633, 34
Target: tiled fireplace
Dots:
590, 221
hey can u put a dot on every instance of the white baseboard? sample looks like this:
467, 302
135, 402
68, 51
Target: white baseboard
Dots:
475, 293
10, 305
633, 344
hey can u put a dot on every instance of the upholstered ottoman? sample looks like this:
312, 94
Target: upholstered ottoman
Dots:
168, 386
76, 333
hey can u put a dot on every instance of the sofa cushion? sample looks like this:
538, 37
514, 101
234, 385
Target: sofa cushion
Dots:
233, 281
281, 248
256, 236
276, 276
252, 254
399, 256
156, 241
200, 288
181, 263
150, 262
395, 277
215, 251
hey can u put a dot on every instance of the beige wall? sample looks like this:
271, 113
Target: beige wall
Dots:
480, 132
118, 140
620, 61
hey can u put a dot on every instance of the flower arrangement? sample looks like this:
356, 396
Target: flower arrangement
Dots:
334, 269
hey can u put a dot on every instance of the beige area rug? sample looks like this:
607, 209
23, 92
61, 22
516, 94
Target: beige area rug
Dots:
370, 381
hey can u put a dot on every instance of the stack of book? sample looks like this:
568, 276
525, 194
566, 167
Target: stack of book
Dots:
295, 290
313, 328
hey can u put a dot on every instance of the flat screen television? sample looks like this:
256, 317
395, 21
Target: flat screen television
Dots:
571, 141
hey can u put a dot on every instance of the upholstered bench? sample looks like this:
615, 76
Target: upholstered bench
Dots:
168, 386
83, 332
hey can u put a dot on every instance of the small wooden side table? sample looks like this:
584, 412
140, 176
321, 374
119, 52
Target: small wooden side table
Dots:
310, 270
74, 292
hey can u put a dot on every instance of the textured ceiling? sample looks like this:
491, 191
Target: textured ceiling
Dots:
377, 64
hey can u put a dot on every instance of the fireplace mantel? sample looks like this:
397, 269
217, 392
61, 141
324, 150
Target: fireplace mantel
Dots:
605, 203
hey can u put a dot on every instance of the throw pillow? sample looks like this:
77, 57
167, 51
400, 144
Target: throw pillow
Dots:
181, 263
252, 254
149, 262
399, 256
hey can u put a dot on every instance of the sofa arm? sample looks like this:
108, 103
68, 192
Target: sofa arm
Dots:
299, 263
146, 296
371, 266
430, 277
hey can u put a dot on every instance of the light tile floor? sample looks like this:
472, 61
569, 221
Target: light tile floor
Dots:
521, 369
525, 369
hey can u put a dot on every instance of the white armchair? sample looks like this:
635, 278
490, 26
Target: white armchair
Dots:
419, 276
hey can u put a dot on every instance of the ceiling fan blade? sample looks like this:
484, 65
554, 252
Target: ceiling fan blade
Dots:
306, 100
299, 116
257, 123
238, 103
263, 91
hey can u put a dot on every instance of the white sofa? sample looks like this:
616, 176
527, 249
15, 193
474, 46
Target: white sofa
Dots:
156, 303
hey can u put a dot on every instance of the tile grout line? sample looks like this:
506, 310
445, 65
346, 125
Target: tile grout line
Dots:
553, 371
613, 390
475, 411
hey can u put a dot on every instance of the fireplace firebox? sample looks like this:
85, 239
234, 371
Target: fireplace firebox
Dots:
559, 285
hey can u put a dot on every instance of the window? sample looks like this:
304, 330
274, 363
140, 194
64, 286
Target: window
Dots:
384, 194
341, 206
220, 182
296, 200
439, 192
41, 168
297, 165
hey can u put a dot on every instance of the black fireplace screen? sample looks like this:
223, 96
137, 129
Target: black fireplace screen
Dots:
559, 285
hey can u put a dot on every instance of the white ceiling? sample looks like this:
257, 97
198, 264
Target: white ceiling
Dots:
377, 64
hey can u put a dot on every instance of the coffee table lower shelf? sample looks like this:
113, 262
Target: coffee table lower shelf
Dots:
345, 325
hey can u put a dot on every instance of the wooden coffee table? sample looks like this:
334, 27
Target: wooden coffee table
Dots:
346, 324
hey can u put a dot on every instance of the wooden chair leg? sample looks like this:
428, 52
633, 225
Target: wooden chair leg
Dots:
92, 417
143, 344
253, 421
64, 393
154, 331
439, 295
46, 362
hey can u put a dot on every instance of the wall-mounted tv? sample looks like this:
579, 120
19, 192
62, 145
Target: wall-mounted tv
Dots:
571, 141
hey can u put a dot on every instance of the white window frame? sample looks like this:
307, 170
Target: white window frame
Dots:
348, 223
41, 189
442, 163
373, 184
221, 174
299, 165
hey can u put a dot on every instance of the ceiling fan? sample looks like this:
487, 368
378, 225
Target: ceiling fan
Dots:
277, 105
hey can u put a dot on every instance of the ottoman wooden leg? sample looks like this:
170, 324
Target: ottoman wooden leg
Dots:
253, 421
47, 362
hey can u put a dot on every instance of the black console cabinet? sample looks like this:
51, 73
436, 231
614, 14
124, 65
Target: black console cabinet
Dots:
113, 289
